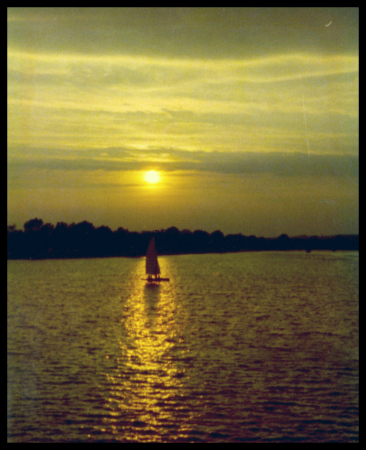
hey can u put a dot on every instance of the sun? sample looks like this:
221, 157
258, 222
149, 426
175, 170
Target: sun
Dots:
152, 177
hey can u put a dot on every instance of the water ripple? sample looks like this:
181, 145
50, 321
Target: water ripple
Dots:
266, 351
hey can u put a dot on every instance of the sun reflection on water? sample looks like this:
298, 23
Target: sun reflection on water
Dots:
149, 377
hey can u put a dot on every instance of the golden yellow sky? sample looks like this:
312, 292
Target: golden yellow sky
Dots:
249, 115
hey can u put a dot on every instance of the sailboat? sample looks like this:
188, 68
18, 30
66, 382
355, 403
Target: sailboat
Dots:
152, 264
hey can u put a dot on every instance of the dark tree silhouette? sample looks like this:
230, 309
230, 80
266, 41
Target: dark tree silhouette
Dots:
33, 225
83, 240
217, 241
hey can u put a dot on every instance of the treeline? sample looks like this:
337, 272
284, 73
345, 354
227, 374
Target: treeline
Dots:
40, 240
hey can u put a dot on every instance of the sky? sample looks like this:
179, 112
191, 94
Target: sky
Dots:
247, 116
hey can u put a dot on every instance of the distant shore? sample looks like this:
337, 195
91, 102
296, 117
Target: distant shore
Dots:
40, 240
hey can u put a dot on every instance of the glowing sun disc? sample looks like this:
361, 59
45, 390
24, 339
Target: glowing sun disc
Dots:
152, 177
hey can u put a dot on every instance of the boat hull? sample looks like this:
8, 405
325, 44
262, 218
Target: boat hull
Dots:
155, 280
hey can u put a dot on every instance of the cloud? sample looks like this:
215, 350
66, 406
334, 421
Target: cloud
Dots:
169, 159
152, 70
188, 32
265, 90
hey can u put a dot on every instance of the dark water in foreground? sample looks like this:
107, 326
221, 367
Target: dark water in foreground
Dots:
252, 347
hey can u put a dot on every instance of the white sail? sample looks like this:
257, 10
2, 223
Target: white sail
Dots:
152, 264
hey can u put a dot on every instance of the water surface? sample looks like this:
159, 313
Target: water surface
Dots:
246, 347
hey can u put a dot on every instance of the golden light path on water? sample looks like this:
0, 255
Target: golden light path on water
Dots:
148, 381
